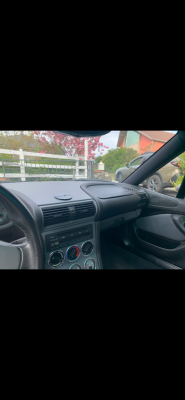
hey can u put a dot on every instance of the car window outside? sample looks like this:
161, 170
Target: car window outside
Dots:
136, 162
167, 179
27, 156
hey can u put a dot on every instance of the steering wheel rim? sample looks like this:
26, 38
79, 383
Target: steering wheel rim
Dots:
26, 253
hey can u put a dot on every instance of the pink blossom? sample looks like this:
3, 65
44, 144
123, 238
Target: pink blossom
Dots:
70, 145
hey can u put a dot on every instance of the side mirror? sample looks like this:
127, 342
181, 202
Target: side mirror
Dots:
127, 165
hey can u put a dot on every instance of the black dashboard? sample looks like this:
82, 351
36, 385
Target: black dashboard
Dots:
71, 215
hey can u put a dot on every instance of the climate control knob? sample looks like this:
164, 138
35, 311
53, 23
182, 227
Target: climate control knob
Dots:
73, 253
56, 259
87, 248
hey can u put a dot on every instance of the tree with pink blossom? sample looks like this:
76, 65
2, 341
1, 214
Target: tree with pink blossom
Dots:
55, 143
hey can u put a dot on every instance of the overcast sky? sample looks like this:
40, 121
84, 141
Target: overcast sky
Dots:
111, 140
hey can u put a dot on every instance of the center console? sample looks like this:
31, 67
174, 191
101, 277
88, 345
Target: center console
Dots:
71, 248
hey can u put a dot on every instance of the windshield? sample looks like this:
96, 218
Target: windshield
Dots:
27, 156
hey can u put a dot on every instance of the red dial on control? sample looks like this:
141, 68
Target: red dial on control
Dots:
73, 253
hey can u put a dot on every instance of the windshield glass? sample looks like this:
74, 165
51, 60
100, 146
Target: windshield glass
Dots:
45, 155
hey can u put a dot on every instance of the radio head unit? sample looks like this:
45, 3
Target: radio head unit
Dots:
55, 241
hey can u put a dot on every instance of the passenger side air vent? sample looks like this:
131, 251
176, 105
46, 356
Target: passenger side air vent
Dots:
61, 214
143, 199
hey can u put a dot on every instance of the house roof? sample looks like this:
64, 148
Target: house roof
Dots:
160, 136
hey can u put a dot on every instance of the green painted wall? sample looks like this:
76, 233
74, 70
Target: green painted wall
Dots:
132, 138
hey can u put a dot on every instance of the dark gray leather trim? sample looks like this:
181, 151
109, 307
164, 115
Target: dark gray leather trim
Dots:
32, 206
160, 200
32, 250
161, 225
10, 256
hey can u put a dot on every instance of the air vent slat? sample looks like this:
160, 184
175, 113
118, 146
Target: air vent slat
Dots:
58, 212
54, 211
63, 214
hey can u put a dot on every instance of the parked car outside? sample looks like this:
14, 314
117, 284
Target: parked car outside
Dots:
160, 180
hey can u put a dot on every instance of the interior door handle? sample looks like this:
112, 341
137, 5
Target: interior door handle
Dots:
179, 222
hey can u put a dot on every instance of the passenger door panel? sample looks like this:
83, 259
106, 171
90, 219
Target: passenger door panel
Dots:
160, 229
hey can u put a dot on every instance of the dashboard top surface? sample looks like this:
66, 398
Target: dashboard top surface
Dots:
110, 199
42, 193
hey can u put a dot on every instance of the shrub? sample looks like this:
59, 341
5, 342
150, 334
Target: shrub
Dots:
181, 176
117, 158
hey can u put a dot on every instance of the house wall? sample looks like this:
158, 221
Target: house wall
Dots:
131, 140
158, 146
134, 147
146, 144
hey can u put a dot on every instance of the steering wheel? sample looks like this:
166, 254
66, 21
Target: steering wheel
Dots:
26, 253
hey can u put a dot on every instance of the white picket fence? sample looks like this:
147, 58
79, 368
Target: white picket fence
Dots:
77, 171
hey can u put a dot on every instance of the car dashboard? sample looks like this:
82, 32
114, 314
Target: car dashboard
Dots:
71, 215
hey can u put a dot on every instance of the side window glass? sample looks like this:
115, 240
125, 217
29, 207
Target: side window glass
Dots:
179, 167
136, 162
168, 179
